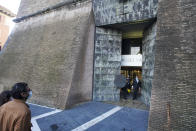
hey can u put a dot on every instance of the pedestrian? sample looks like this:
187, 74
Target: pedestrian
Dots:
125, 89
136, 86
5, 96
15, 114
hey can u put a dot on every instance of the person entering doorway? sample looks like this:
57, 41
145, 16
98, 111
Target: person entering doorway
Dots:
136, 86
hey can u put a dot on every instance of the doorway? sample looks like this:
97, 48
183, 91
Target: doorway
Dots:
118, 50
131, 63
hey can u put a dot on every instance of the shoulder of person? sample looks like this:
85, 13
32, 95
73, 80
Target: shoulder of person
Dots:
21, 105
25, 111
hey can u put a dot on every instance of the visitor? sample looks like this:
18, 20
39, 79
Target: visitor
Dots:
136, 86
5, 96
15, 114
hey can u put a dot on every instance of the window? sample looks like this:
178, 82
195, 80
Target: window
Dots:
135, 50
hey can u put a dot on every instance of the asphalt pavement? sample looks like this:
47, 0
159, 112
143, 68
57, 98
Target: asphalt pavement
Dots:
90, 116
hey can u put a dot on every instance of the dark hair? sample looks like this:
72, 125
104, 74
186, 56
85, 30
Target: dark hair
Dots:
18, 88
5, 97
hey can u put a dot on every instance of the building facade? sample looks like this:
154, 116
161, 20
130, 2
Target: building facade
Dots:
5, 22
70, 51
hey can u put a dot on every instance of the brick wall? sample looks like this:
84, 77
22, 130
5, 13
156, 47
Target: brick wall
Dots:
173, 105
53, 53
28, 7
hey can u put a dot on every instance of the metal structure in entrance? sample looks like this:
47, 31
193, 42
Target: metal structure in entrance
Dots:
107, 64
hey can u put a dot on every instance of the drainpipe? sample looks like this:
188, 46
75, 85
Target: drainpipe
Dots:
51, 8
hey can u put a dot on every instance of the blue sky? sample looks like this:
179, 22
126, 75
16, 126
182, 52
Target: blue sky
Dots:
12, 5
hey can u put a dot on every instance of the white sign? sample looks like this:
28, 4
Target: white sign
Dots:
135, 50
131, 60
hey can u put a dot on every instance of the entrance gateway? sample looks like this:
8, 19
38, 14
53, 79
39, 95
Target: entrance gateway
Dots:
118, 50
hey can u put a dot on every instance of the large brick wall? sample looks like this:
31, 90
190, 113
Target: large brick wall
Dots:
28, 7
53, 53
173, 101
119, 11
148, 53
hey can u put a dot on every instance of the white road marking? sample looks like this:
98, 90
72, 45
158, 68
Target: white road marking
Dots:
46, 114
41, 106
97, 119
35, 126
34, 122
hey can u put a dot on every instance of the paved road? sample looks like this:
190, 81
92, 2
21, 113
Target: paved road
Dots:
91, 116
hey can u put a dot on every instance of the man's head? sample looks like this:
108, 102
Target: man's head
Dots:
134, 75
20, 91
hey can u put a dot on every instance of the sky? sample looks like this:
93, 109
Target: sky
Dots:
12, 5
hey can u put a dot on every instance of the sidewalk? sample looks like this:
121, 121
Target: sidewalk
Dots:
130, 103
